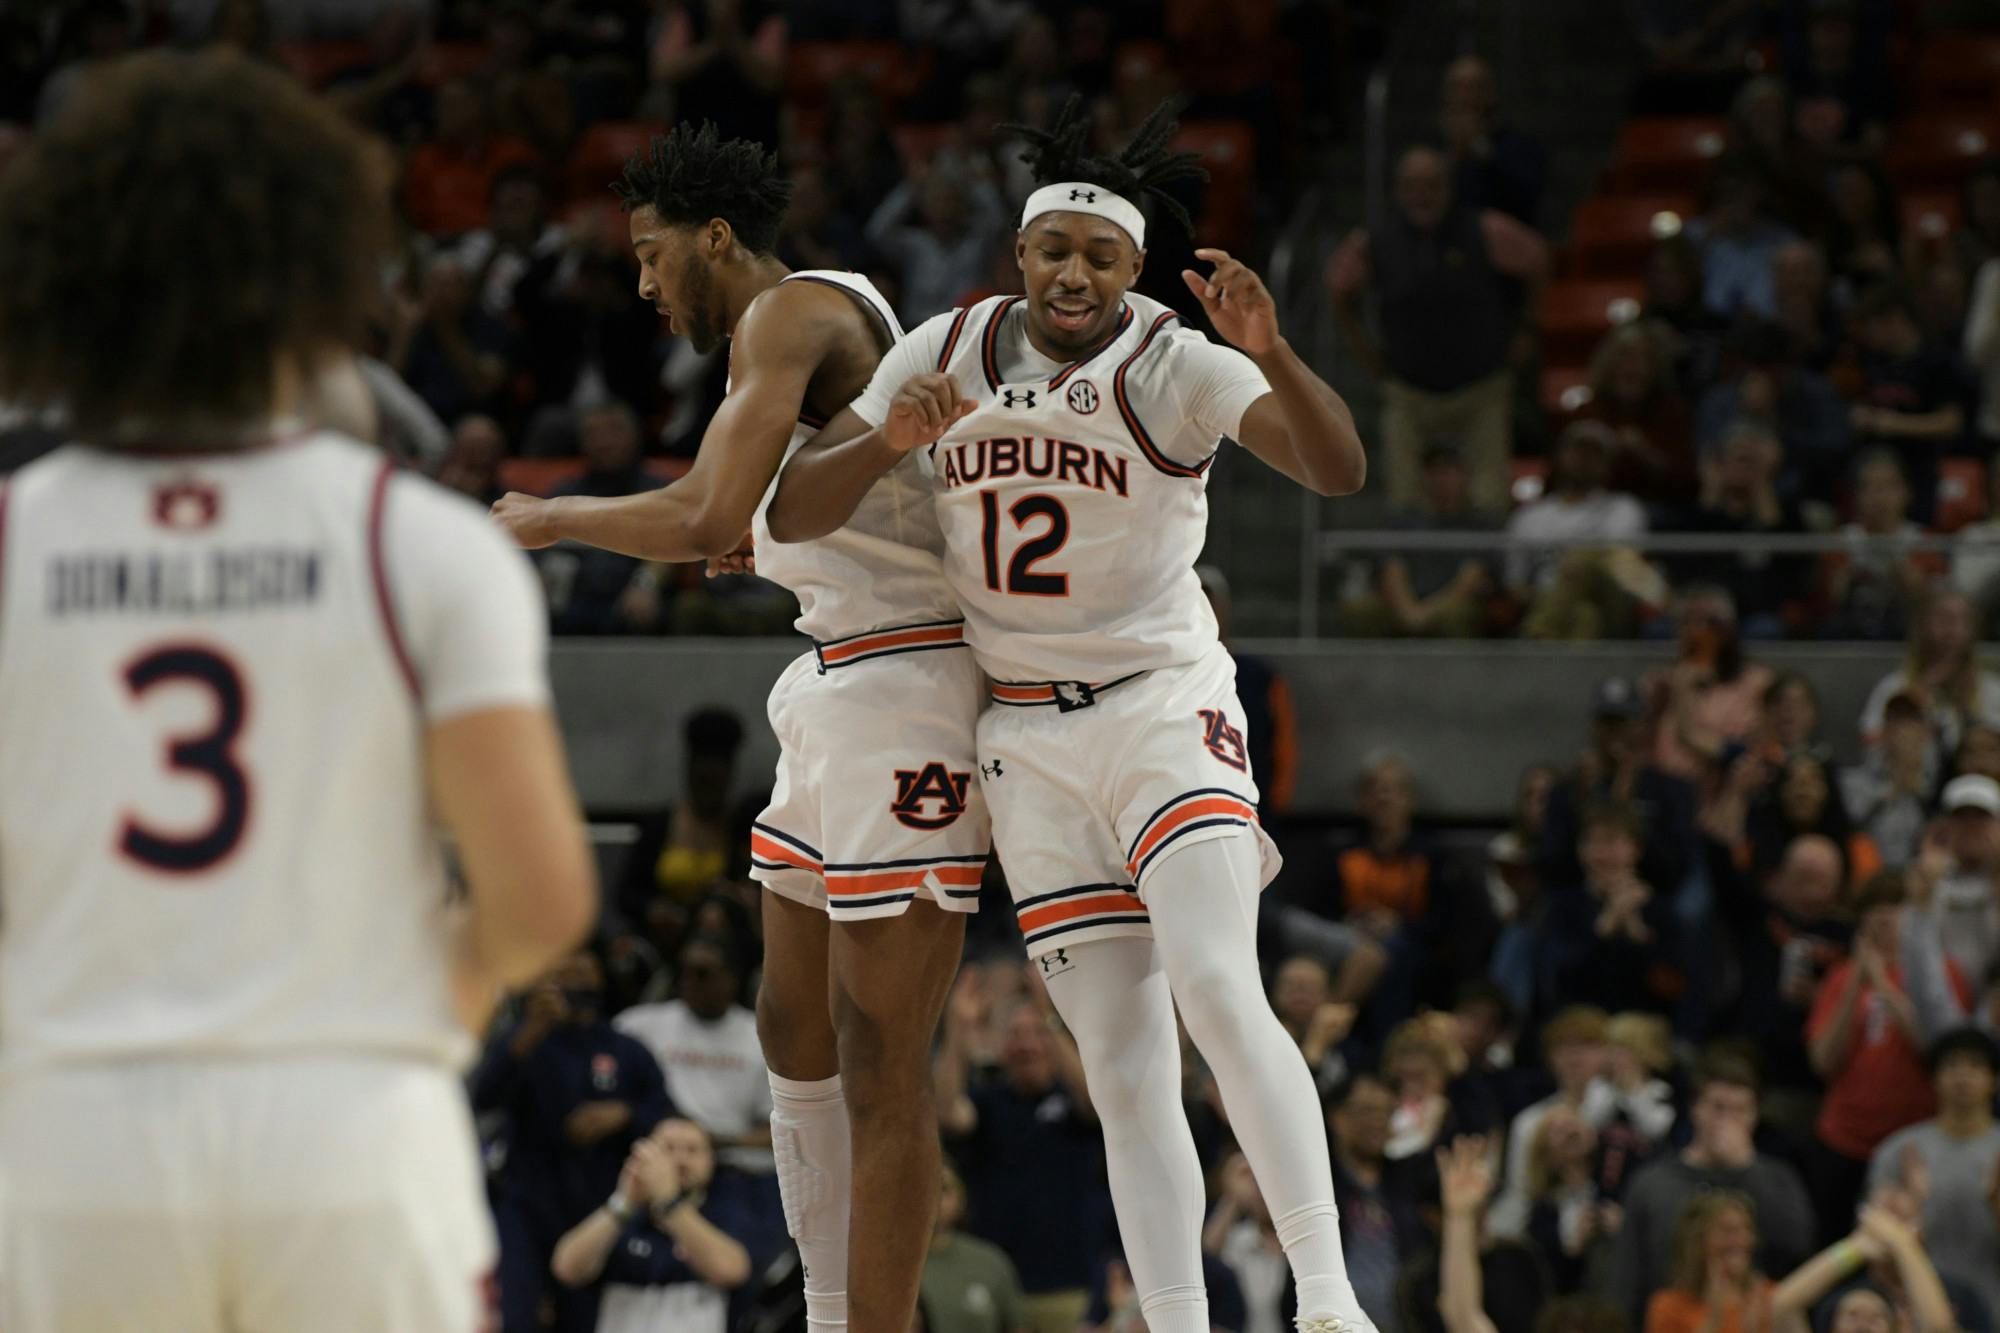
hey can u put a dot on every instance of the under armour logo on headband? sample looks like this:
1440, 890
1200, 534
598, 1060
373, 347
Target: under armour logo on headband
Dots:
1088, 196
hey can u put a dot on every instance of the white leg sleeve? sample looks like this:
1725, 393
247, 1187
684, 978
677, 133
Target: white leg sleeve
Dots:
1203, 900
809, 1139
1117, 1006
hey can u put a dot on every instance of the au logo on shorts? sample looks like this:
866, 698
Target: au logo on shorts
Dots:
934, 785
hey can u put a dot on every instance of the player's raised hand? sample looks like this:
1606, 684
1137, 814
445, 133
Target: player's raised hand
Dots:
925, 408
742, 560
526, 518
1236, 301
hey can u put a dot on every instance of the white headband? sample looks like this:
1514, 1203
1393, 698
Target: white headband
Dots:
1083, 197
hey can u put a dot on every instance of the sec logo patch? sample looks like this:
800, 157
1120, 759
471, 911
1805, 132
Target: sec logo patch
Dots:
1083, 397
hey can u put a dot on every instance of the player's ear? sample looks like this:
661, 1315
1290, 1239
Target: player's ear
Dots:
1138, 264
718, 236
1021, 251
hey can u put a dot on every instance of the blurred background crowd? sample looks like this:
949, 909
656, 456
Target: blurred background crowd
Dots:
1671, 319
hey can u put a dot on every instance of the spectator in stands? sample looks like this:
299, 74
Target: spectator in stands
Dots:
1712, 699
450, 177
1578, 592
1632, 1106
1392, 887
592, 591
1030, 1152
454, 354
1494, 165
1873, 588
1866, 1038
1954, 913
531, 101
1978, 752
722, 61
1446, 377
1270, 723
1379, 1225
1426, 593
1982, 350
1422, 1059
935, 230
1864, 235
861, 163
1722, 1156
1610, 941
585, 338
472, 467
1569, 1221
1888, 794
1633, 392
1806, 309
1978, 237
1241, 1234
814, 233
1488, 1025
1573, 1046
969, 1285
683, 850
1840, 75
1800, 801
705, 1043
1715, 1284
1765, 383
1673, 304
1302, 996
576, 1094
91, 34
1738, 241
1952, 1163
667, 1253
1740, 495
1791, 719
1763, 139
1943, 674
1694, 54
384, 90
1617, 769
1912, 399
1894, 1284
517, 233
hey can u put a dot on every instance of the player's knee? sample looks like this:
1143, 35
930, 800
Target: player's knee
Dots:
791, 1028
1216, 1004
884, 1051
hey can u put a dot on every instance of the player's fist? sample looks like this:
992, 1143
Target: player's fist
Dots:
1236, 301
925, 408
528, 519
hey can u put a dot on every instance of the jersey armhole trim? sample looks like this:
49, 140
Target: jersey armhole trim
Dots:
1131, 417
990, 341
378, 567
951, 338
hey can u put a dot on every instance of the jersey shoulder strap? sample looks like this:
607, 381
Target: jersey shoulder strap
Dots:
857, 286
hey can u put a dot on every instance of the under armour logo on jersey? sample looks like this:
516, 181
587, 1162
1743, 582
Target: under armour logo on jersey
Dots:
991, 770
1087, 196
1055, 964
933, 783
1083, 397
1017, 397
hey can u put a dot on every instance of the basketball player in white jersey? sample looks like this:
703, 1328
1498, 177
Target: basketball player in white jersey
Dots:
1071, 432
872, 848
241, 663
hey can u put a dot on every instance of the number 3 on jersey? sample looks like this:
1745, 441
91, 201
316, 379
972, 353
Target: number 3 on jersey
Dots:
209, 754
1023, 580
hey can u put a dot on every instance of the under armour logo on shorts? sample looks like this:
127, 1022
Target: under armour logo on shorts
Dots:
991, 770
1055, 964
1017, 397
1088, 196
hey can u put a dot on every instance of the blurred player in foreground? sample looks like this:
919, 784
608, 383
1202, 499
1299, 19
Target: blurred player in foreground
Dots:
241, 663
1071, 431
872, 847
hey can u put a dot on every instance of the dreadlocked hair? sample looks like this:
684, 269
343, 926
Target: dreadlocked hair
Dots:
691, 174
1142, 169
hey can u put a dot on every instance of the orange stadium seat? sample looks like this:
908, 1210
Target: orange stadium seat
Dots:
1958, 69
539, 476
1565, 391
1610, 236
1666, 153
317, 62
1961, 493
812, 67
1229, 151
1936, 151
1577, 315
600, 155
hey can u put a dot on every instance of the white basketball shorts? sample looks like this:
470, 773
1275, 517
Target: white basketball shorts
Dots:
877, 800
311, 1194
1092, 784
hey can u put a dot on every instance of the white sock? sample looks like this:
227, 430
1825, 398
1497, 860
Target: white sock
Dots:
1203, 900
809, 1138
1176, 1310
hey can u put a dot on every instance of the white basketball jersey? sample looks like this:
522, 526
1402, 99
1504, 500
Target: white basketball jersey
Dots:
215, 672
1070, 536
885, 567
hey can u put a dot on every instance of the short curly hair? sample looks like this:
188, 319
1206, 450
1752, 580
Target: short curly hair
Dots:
691, 174
189, 224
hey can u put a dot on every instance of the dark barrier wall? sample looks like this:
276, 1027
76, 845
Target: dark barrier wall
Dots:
1468, 716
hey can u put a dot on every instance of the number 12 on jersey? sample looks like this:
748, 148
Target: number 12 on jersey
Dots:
1022, 578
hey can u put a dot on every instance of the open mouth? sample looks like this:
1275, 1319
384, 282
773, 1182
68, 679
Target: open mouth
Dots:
1071, 316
